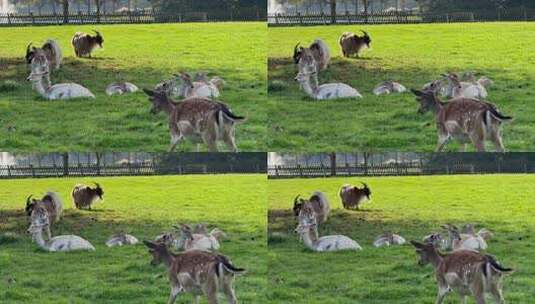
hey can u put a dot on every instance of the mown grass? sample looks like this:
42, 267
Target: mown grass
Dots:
412, 55
144, 55
412, 207
144, 207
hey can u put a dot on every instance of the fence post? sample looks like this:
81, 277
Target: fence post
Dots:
348, 168
323, 170
277, 18
33, 170
323, 18
447, 18
300, 169
33, 18
9, 19
300, 18
9, 171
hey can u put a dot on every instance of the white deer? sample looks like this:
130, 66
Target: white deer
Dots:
57, 91
308, 231
326, 91
60, 242
198, 239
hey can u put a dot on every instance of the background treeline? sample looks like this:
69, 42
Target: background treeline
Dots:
118, 6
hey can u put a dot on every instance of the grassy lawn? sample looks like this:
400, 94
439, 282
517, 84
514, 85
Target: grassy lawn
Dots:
412, 55
412, 207
144, 55
145, 207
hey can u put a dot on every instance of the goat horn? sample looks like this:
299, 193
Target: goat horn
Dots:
96, 184
96, 32
28, 199
28, 47
296, 198
364, 32
364, 184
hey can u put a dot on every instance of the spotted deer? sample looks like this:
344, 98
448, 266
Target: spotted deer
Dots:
464, 119
465, 272
197, 272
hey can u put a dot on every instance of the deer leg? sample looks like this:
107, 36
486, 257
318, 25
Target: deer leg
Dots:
228, 289
463, 299
229, 139
196, 299
210, 141
497, 294
497, 140
442, 141
442, 292
175, 290
175, 140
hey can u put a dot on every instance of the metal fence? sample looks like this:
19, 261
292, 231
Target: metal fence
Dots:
66, 165
521, 166
138, 17
399, 17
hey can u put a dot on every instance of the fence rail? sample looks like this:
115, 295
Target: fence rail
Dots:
11, 172
398, 17
400, 169
138, 17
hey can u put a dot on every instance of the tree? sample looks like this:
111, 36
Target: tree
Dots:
65, 4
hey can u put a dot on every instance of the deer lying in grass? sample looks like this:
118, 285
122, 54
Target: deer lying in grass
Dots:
199, 239
388, 87
44, 212
58, 243
308, 231
456, 88
197, 117
469, 240
388, 239
313, 59
463, 119
57, 91
326, 91
121, 239
318, 204
203, 88
466, 272
197, 272
120, 88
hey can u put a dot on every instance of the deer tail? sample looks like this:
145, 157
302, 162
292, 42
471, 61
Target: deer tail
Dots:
492, 264
224, 265
494, 113
224, 113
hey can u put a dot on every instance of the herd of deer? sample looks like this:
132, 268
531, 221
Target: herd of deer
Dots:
197, 116
463, 269
466, 116
197, 269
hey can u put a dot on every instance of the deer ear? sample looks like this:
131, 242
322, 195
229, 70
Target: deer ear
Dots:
417, 244
417, 92
148, 92
149, 244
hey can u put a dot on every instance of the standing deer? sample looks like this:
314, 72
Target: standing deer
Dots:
466, 272
197, 117
196, 272
464, 119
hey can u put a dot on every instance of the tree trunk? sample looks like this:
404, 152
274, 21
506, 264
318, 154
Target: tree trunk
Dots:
98, 3
65, 4
333, 11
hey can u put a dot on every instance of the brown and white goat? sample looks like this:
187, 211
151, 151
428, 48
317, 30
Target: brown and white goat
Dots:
466, 272
353, 196
84, 196
319, 52
318, 204
464, 119
44, 212
194, 117
197, 272
50, 51
84, 44
353, 44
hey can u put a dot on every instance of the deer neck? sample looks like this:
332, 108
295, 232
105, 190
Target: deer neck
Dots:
168, 259
436, 259
310, 89
38, 237
169, 107
41, 87
310, 238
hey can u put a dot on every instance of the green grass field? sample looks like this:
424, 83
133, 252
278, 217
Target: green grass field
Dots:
412, 207
412, 55
144, 55
145, 207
